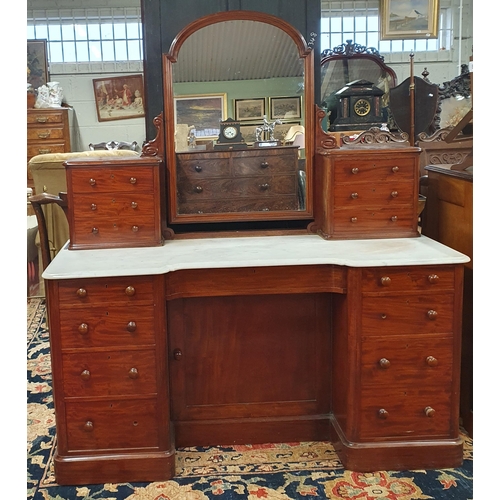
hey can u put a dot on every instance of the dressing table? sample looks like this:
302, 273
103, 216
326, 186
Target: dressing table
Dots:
251, 336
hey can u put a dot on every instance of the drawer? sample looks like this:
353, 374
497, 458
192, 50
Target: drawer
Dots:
42, 148
390, 279
363, 194
109, 373
400, 314
202, 168
379, 170
234, 188
128, 180
107, 326
411, 413
268, 164
45, 117
45, 133
114, 424
363, 219
129, 206
412, 360
95, 293
261, 204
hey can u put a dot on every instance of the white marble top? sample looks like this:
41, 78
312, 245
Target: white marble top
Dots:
263, 251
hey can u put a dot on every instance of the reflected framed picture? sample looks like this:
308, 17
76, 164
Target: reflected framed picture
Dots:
37, 63
249, 109
285, 108
408, 19
119, 98
201, 112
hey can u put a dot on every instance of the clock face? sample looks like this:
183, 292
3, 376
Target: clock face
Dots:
362, 107
229, 132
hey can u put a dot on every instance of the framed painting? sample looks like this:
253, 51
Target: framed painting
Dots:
119, 98
248, 132
201, 112
285, 108
249, 109
408, 19
37, 63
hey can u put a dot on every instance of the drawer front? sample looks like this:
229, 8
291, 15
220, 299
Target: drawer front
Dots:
261, 204
95, 293
112, 425
42, 148
241, 187
376, 170
409, 413
400, 314
412, 360
44, 117
126, 179
41, 134
362, 194
109, 373
200, 169
389, 279
265, 164
134, 206
362, 219
107, 326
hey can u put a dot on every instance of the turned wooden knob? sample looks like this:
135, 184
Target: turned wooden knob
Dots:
264, 164
394, 218
355, 170
383, 315
429, 411
92, 182
385, 281
394, 194
81, 292
83, 329
354, 219
383, 414
95, 230
264, 187
133, 180
93, 206
433, 278
133, 373
135, 229
395, 169
177, 354
131, 326
432, 315
384, 363
198, 189
130, 291
85, 375
431, 361
134, 204
89, 426
198, 168
354, 196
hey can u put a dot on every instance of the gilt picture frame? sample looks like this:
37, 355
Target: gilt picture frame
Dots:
409, 19
249, 109
37, 63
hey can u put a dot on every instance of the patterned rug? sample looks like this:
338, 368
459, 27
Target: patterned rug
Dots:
284, 471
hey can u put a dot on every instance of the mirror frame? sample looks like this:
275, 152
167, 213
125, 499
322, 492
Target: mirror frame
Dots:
304, 52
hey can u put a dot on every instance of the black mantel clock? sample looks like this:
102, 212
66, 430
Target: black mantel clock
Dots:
230, 136
359, 107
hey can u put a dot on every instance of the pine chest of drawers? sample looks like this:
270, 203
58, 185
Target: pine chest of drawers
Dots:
110, 389
367, 192
221, 183
114, 203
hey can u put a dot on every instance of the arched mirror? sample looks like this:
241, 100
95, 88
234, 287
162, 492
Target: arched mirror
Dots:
239, 104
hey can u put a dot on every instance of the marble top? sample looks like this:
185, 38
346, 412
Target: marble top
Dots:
263, 251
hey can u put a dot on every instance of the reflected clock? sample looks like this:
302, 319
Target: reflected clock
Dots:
230, 135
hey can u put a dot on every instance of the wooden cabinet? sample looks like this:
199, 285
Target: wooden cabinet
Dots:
363, 192
221, 185
116, 206
49, 131
110, 390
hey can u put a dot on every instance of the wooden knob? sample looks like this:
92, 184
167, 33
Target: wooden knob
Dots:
383, 414
394, 218
264, 164
264, 187
354, 196
134, 204
198, 168
177, 354
85, 375
394, 194
384, 363
432, 315
92, 182
429, 411
93, 206
133, 180
89, 426
198, 189
81, 292
83, 329
383, 315
433, 278
130, 291
95, 230
431, 361
355, 170
385, 281
135, 229
133, 373
354, 219
131, 326
395, 169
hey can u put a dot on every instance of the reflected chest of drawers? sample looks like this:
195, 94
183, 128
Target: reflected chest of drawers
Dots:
114, 203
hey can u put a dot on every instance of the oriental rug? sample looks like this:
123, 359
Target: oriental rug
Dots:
306, 470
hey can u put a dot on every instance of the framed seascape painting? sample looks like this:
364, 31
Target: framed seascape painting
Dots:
249, 109
202, 113
37, 63
408, 19
285, 108
119, 98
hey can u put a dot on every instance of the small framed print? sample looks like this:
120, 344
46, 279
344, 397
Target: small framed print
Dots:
249, 109
37, 63
285, 108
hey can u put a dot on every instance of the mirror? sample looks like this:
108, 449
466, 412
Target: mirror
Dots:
255, 70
